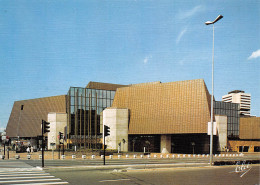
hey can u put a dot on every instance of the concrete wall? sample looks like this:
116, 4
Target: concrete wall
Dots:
57, 123
221, 131
165, 143
117, 120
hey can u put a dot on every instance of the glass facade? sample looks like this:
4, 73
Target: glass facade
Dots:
84, 107
231, 110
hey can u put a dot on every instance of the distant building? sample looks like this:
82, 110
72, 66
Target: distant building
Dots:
240, 97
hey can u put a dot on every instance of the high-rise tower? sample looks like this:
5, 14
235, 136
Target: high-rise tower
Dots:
240, 97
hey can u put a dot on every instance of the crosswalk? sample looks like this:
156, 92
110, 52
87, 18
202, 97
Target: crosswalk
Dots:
30, 176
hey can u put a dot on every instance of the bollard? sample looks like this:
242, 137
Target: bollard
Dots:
102, 156
161, 156
28, 156
141, 156
183, 155
73, 156
63, 157
203, 155
216, 155
236, 155
207, 155
178, 155
223, 155
110, 156
134, 156
167, 156
219, 155
189, 156
148, 156
40, 156
93, 156
127, 156
2, 157
226, 155
173, 156
198, 155
237, 169
119, 156
155, 156
84, 156
194, 155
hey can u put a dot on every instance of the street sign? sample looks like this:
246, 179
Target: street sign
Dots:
214, 128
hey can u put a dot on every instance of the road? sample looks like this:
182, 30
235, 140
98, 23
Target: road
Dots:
198, 175
126, 171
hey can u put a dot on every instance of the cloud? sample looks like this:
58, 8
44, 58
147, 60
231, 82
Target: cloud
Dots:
146, 59
190, 13
181, 35
254, 55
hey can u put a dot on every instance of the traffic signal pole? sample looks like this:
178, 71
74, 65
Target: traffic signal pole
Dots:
45, 129
106, 132
104, 158
42, 144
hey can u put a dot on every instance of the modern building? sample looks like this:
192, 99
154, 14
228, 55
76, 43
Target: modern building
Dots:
163, 117
232, 111
249, 137
27, 115
152, 117
84, 106
240, 97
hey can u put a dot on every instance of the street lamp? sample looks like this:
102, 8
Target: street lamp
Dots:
211, 116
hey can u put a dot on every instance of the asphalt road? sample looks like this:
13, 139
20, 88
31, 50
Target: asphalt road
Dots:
197, 175
20, 172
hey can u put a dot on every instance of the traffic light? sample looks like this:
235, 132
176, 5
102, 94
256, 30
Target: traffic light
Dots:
106, 130
46, 126
60, 135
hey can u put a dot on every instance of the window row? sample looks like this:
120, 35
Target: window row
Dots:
83, 92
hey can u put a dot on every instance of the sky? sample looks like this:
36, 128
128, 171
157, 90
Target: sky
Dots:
48, 46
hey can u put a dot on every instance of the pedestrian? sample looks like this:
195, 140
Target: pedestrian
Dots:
28, 150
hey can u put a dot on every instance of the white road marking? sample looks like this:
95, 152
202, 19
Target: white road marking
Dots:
11, 181
27, 177
14, 172
115, 180
14, 175
46, 183
245, 172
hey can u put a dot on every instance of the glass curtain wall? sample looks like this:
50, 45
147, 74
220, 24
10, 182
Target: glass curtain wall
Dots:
231, 110
84, 107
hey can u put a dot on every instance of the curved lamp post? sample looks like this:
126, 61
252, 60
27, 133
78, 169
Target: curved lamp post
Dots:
211, 116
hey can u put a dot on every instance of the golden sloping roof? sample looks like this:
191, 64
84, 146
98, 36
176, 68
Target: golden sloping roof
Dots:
27, 122
104, 86
249, 128
166, 108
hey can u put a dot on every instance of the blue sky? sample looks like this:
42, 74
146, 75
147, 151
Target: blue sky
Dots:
48, 46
